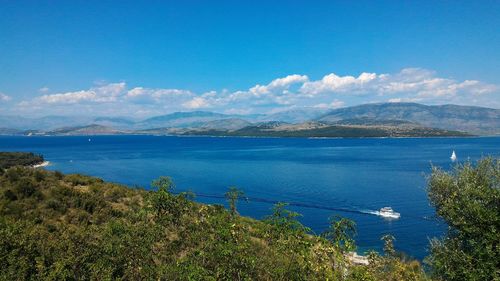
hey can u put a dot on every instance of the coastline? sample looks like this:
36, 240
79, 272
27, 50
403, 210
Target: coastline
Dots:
260, 137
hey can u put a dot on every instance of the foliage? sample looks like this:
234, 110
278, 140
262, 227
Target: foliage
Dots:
392, 266
11, 159
285, 221
389, 249
162, 201
74, 227
232, 196
340, 233
468, 200
331, 131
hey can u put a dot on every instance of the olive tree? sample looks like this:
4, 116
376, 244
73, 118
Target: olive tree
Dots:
468, 200
232, 196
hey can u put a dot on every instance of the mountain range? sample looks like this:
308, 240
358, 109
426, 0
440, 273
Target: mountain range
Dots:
383, 119
475, 120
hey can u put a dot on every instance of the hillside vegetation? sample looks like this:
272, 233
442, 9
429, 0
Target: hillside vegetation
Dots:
74, 227
468, 200
318, 129
11, 159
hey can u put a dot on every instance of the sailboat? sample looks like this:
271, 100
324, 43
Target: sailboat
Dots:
453, 156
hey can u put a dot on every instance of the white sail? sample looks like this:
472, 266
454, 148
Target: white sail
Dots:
453, 156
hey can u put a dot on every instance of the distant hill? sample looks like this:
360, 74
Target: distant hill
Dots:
53, 122
473, 120
476, 120
9, 132
182, 119
15, 132
226, 124
320, 129
44, 123
115, 122
295, 115
93, 129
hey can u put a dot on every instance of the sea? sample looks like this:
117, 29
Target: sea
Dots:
320, 178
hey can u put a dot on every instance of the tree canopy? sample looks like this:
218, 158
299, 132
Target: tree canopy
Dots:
11, 159
468, 200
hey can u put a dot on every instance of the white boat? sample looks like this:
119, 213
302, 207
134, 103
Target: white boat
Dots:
388, 212
453, 156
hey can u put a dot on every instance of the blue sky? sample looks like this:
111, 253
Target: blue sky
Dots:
141, 58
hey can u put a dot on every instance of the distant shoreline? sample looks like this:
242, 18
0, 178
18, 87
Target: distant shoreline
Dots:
260, 137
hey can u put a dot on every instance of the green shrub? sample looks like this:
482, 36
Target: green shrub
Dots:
11, 159
9, 195
81, 228
468, 200
58, 175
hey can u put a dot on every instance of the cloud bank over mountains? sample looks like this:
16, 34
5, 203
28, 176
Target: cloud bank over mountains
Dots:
292, 91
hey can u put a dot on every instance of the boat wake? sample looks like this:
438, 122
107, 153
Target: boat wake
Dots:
370, 212
299, 204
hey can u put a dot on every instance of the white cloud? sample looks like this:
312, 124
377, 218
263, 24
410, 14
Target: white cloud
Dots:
340, 84
44, 90
71, 97
292, 91
101, 94
240, 111
196, 103
280, 84
277, 92
136, 92
277, 87
410, 81
334, 104
4, 97
396, 100
141, 94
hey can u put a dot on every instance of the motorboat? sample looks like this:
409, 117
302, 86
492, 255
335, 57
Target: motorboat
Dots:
388, 212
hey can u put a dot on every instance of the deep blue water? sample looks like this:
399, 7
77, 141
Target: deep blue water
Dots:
320, 177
